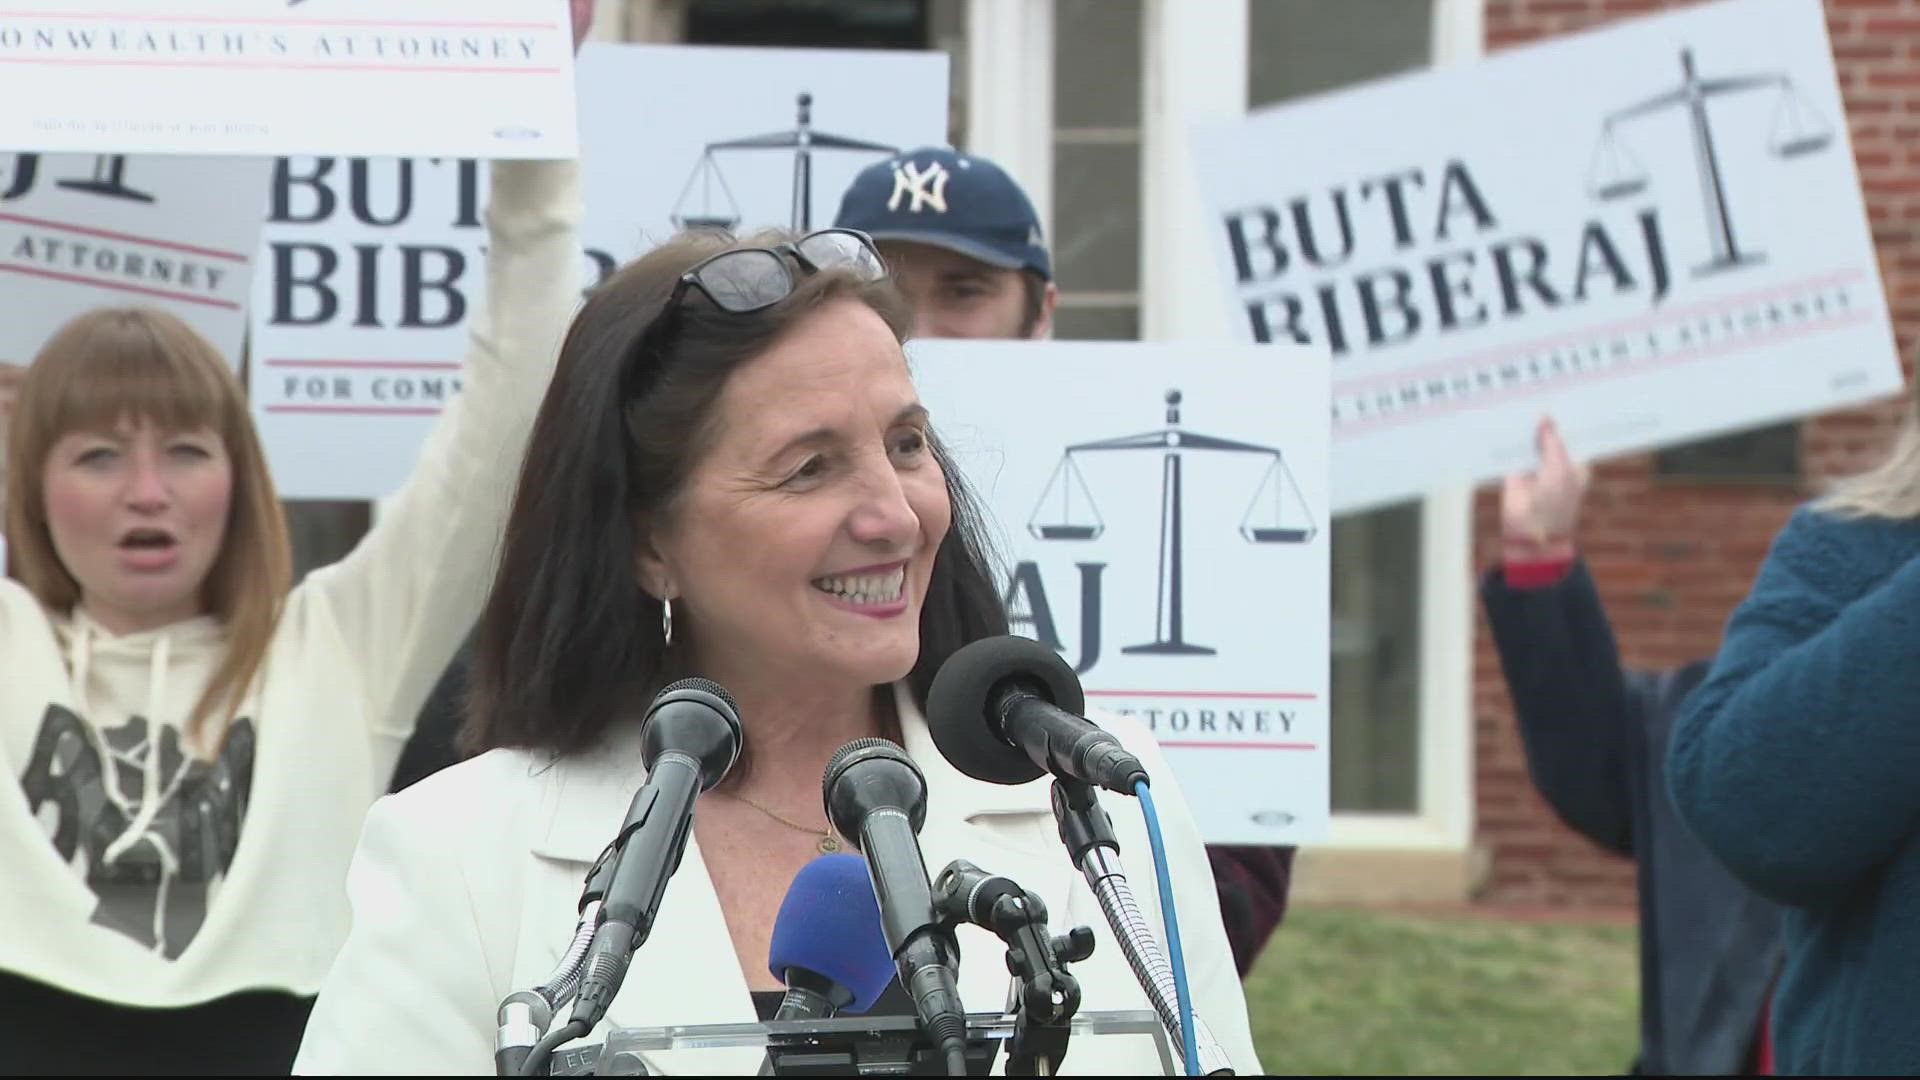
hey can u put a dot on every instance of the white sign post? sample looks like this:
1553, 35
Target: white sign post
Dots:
1162, 511
1653, 231
372, 267
79, 232
484, 78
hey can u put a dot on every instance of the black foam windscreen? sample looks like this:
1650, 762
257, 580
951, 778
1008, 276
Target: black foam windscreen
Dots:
963, 703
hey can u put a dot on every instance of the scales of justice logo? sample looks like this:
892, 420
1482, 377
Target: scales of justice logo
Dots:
802, 141
1067, 513
1797, 132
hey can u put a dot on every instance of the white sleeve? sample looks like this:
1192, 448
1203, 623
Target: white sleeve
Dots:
406, 597
410, 993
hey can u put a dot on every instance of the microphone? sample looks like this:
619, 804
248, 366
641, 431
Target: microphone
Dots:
827, 944
1008, 709
877, 799
688, 742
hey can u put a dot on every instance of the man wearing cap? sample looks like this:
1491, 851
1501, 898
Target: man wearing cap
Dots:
964, 245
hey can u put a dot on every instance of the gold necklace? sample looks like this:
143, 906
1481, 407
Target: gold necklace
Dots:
828, 844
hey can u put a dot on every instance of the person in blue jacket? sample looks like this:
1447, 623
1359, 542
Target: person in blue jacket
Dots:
1595, 735
1798, 763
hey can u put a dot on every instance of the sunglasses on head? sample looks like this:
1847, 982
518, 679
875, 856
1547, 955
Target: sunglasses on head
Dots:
742, 281
746, 280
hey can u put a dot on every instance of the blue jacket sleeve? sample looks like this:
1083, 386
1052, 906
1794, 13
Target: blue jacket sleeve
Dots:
1798, 760
1573, 703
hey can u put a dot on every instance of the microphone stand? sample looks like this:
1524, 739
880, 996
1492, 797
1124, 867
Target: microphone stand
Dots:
1088, 834
1043, 995
525, 1015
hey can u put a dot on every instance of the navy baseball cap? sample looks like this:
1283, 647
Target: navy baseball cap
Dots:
946, 199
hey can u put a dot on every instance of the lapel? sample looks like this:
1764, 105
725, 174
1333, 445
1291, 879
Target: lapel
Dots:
685, 973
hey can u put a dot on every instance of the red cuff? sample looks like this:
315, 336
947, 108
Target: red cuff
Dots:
1536, 572
1527, 564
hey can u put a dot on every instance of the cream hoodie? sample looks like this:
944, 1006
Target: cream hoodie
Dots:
139, 870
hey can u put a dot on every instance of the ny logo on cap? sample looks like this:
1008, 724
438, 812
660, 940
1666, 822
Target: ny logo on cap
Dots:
926, 187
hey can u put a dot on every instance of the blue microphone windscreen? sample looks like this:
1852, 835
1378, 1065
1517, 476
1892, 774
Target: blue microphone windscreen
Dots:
829, 924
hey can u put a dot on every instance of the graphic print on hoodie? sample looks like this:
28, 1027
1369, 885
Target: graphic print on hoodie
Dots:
151, 830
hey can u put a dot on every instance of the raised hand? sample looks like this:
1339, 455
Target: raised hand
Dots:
1541, 508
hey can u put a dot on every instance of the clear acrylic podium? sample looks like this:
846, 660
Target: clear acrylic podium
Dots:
865, 1045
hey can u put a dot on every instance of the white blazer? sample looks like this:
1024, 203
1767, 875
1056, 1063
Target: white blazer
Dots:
465, 888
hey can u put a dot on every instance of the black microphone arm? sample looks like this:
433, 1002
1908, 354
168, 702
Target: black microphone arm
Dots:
525, 1015
689, 743
876, 797
1044, 995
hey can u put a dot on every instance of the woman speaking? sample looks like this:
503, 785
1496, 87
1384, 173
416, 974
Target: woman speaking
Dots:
731, 477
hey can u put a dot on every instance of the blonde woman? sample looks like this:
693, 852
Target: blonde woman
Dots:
194, 745
1796, 763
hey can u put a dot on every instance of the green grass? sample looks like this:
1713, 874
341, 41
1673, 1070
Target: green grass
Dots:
1350, 992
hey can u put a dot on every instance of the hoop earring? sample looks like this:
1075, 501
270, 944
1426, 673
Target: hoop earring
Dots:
666, 620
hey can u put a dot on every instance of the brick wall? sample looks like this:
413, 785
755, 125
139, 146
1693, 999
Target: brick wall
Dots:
1673, 558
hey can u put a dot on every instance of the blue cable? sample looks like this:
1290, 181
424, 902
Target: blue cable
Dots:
1175, 955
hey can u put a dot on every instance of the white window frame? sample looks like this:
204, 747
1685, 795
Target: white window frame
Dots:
1010, 93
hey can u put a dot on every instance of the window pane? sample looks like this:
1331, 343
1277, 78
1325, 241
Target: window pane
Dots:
1297, 48
1302, 47
1096, 217
1096, 75
798, 24
1376, 660
1768, 454
1096, 152
1097, 324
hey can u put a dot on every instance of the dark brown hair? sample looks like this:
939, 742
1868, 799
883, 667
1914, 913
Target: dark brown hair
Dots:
570, 643
1033, 301
116, 364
